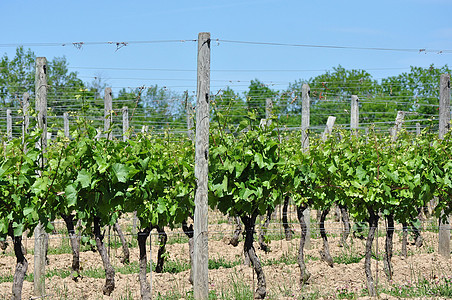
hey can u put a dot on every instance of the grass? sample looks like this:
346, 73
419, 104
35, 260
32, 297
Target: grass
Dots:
63, 292
348, 255
128, 294
170, 266
176, 239
220, 262
423, 288
238, 291
286, 258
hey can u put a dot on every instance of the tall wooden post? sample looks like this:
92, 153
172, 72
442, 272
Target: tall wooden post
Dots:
354, 114
26, 115
268, 110
398, 124
444, 126
305, 115
66, 124
329, 127
305, 123
9, 125
41, 237
201, 254
125, 123
108, 112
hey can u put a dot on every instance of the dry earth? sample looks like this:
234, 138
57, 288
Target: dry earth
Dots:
282, 279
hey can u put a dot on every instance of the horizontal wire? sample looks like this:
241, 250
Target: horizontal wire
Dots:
81, 44
418, 50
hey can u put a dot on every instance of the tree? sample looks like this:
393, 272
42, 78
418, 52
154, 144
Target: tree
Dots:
63, 86
231, 105
17, 77
256, 97
417, 90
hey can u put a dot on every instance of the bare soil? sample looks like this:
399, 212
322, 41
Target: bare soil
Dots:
282, 277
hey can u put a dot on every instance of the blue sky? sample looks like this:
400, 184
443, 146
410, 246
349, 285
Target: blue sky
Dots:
415, 24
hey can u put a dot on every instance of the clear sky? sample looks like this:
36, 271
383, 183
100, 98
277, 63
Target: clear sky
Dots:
396, 24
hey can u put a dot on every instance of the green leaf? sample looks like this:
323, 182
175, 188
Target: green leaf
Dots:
84, 178
71, 195
121, 172
259, 160
27, 211
18, 229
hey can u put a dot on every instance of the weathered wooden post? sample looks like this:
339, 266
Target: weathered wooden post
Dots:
125, 123
444, 126
108, 112
41, 237
305, 123
66, 124
201, 254
268, 110
265, 221
26, 114
9, 125
354, 114
329, 127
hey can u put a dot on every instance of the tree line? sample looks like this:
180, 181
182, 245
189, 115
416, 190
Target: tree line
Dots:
415, 92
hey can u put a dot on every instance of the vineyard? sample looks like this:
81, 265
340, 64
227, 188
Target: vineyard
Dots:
107, 210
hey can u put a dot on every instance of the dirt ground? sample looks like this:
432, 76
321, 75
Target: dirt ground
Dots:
282, 279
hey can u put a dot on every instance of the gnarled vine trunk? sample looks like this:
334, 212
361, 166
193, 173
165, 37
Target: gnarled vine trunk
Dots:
418, 240
145, 289
404, 239
288, 232
388, 246
75, 245
373, 223
325, 252
304, 276
125, 248
163, 238
234, 241
109, 271
263, 232
346, 224
21, 268
250, 223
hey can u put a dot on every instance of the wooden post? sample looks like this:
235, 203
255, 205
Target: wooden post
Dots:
201, 254
125, 123
41, 237
418, 128
108, 112
66, 124
268, 111
26, 115
354, 114
305, 115
444, 126
328, 128
398, 124
9, 125
305, 123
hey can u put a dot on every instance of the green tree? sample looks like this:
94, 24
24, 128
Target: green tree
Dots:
417, 90
230, 105
256, 97
63, 87
16, 77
